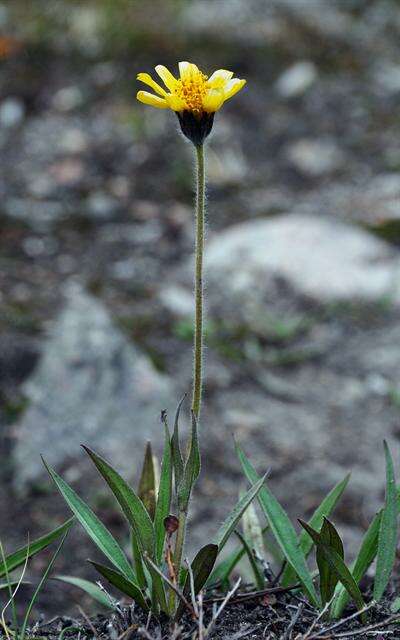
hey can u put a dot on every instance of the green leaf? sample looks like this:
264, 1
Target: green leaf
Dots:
337, 565
164, 494
202, 566
21, 635
231, 521
282, 529
147, 482
223, 570
305, 542
258, 574
176, 448
131, 505
137, 556
328, 576
388, 530
93, 590
124, 585
16, 559
364, 559
92, 525
191, 470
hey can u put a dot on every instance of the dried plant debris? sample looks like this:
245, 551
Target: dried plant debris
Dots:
281, 616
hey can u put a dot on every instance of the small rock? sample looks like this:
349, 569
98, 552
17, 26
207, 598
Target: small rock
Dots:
73, 141
12, 112
67, 99
178, 301
315, 158
93, 386
296, 80
101, 206
322, 259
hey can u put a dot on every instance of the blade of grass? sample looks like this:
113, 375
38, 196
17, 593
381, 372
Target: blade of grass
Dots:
224, 569
388, 531
16, 559
305, 542
92, 589
93, 526
40, 586
233, 518
258, 574
282, 529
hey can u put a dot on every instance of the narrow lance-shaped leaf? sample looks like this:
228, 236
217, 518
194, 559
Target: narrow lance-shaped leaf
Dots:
164, 493
92, 589
282, 529
363, 561
258, 574
124, 585
93, 526
223, 570
328, 577
201, 566
231, 521
131, 505
388, 530
305, 542
17, 559
39, 587
147, 486
337, 565
176, 448
191, 470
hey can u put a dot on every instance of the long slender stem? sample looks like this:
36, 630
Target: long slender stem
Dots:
198, 340
198, 283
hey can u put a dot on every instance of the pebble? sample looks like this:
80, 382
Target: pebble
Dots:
67, 99
12, 112
296, 80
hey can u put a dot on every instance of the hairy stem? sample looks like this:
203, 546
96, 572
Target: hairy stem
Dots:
198, 282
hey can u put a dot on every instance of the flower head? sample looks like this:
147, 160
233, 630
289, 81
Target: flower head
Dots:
193, 96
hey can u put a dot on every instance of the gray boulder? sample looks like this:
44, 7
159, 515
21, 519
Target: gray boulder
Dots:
91, 386
318, 258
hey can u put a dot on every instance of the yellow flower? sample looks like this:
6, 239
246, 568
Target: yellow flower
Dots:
193, 96
193, 91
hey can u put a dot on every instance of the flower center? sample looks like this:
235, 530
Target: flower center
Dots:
192, 91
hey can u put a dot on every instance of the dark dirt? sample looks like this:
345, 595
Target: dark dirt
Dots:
268, 616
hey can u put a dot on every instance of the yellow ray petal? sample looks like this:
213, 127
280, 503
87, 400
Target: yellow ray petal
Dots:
213, 100
152, 100
147, 79
219, 78
187, 69
232, 87
166, 76
175, 102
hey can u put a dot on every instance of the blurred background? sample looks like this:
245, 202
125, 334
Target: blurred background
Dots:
96, 240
